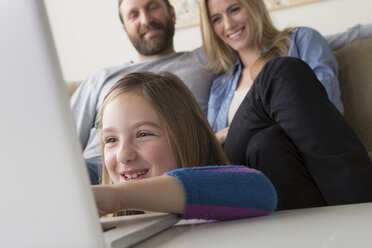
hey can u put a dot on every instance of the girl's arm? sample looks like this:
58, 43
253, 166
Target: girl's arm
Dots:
158, 194
211, 192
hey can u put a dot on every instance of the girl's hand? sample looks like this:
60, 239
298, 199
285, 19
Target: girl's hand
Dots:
222, 134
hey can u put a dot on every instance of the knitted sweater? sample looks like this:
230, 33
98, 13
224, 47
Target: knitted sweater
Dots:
225, 192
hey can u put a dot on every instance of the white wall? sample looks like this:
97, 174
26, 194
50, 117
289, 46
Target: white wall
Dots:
89, 36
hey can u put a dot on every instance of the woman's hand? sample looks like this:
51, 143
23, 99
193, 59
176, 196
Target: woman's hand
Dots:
222, 134
107, 199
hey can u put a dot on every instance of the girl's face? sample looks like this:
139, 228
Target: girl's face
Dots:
135, 142
232, 23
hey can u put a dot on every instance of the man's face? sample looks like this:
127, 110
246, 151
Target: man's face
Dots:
149, 25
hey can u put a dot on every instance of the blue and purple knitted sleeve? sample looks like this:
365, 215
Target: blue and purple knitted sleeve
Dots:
225, 192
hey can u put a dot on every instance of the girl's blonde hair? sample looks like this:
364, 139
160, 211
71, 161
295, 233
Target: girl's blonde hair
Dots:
272, 42
189, 135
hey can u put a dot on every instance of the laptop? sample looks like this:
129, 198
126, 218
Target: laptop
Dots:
46, 198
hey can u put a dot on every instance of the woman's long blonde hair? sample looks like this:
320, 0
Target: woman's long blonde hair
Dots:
189, 135
272, 42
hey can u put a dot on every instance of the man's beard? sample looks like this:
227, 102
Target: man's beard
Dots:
155, 45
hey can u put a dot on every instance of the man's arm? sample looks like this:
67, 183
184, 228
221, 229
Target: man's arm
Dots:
83, 105
354, 33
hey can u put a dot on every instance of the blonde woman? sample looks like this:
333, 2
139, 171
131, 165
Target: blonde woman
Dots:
160, 154
273, 113
239, 38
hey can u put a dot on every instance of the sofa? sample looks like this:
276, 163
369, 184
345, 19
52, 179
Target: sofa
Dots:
355, 76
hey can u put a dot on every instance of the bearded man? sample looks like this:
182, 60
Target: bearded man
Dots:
150, 26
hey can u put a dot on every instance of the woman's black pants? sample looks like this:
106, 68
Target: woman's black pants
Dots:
287, 128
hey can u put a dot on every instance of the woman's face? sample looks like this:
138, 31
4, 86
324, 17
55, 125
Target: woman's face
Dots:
232, 23
135, 142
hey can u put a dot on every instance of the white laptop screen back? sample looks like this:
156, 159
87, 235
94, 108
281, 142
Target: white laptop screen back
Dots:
46, 200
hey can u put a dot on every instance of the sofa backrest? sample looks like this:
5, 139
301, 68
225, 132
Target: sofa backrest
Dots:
355, 76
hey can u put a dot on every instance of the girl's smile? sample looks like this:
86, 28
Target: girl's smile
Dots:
134, 174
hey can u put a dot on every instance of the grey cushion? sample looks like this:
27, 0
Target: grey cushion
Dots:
355, 75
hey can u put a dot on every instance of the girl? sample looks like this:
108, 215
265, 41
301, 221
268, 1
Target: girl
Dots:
280, 118
153, 134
